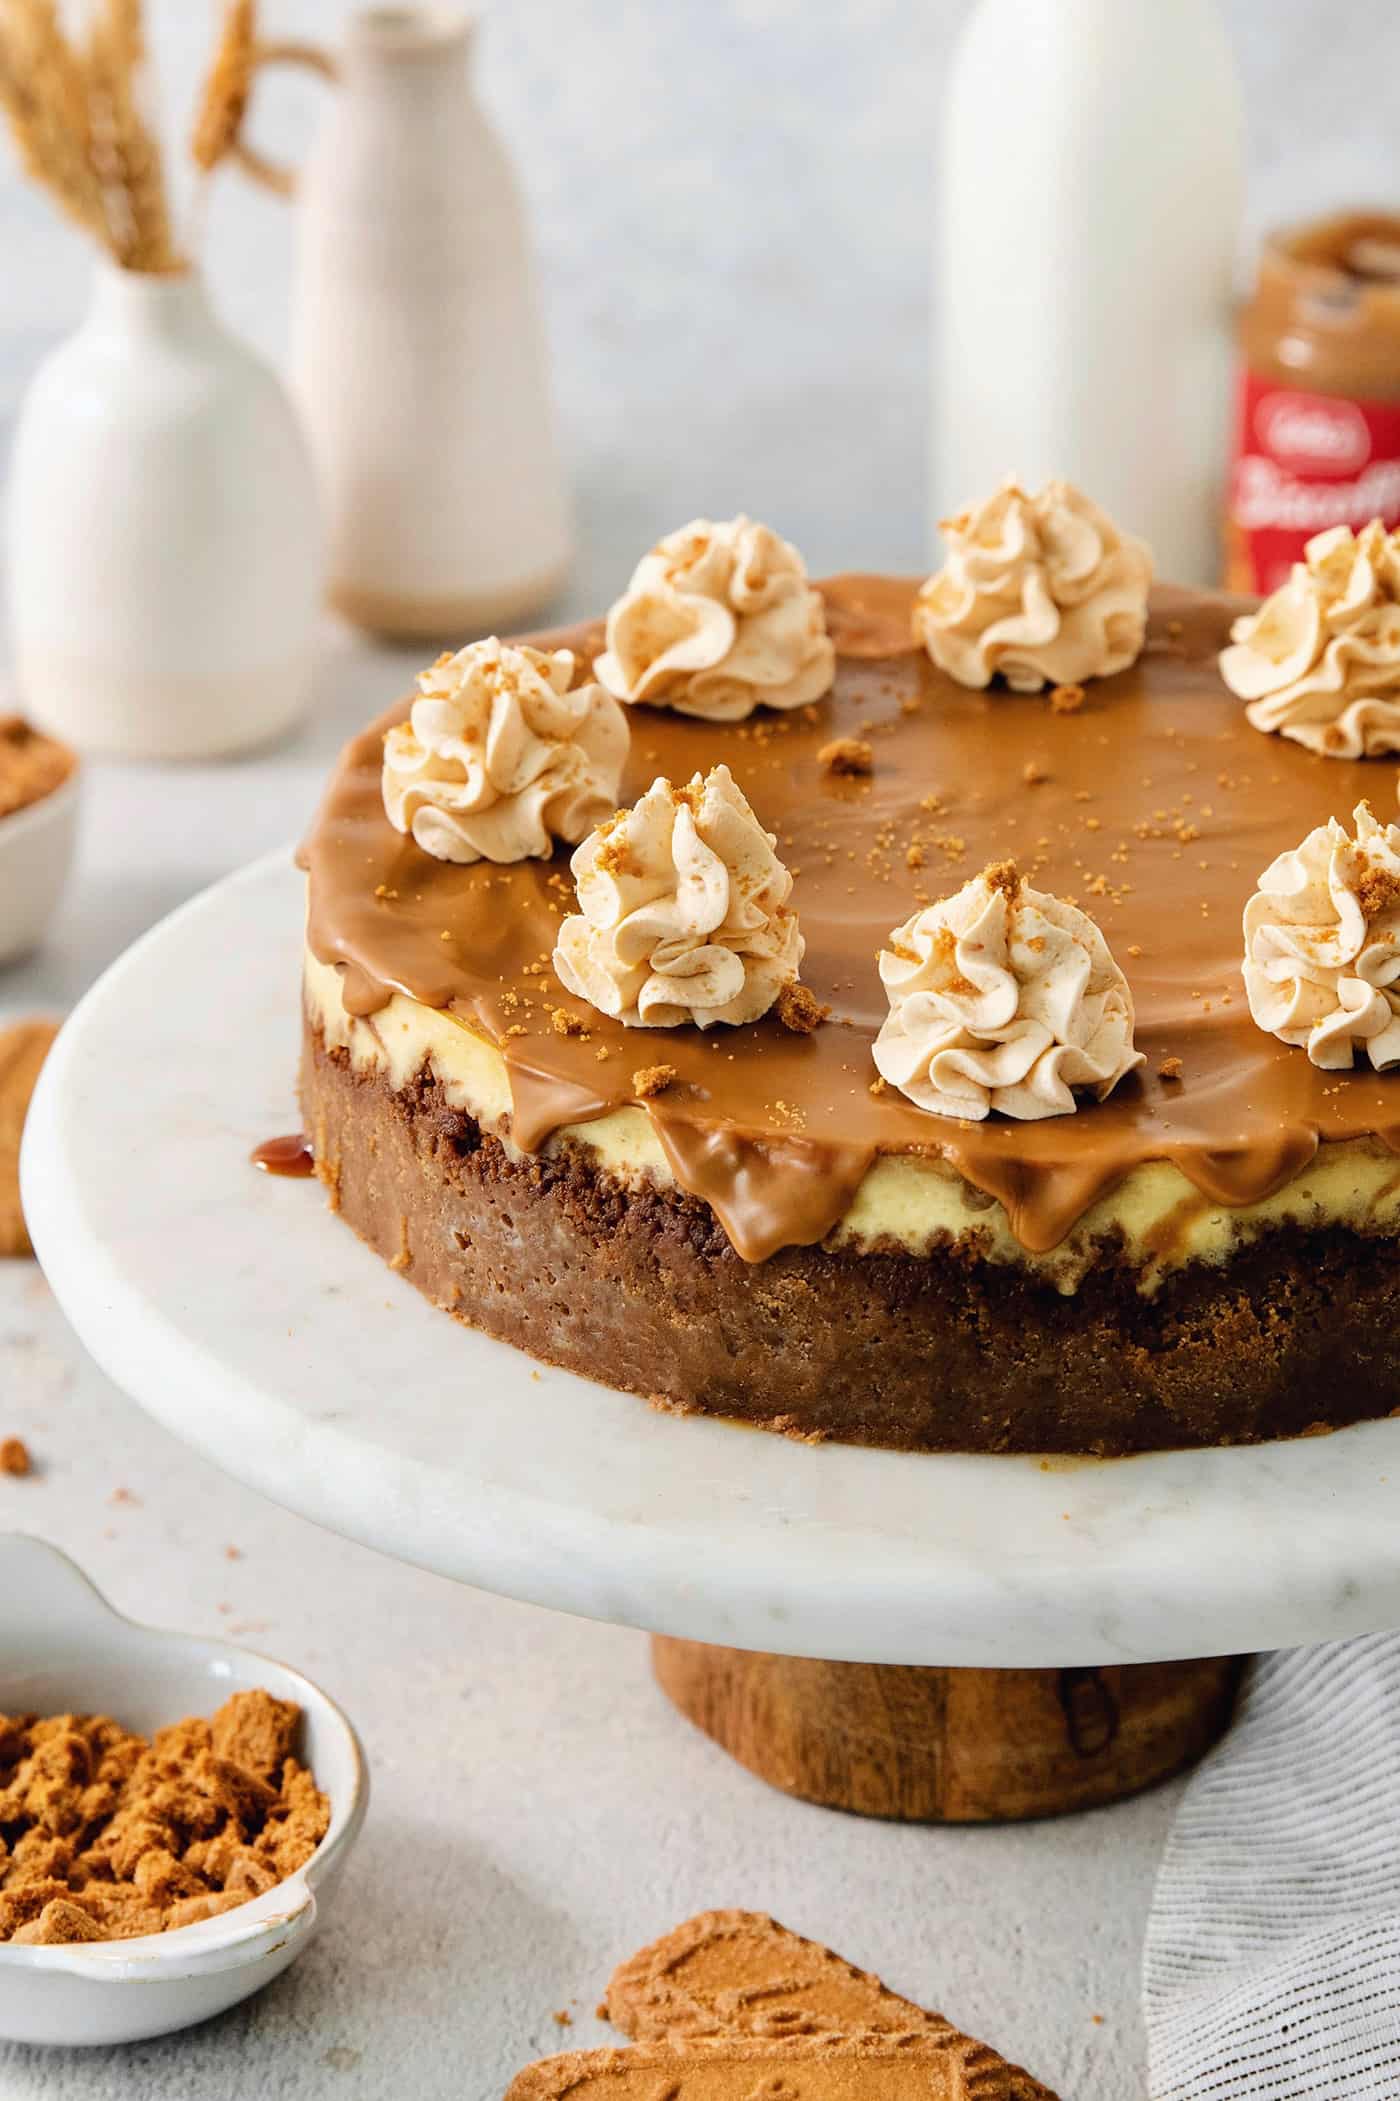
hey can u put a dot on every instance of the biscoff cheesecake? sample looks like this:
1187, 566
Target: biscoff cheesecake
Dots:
826, 1005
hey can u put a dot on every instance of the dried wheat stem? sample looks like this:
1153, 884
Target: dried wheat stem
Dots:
44, 98
224, 101
125, 152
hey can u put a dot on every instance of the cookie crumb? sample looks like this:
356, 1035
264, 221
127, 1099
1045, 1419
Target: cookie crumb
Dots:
567, 1024
650, 1080
31, 764
1066, 700
800, 1010
14, 1457
1004, 876
847, 756
111, 1836
1169, 1069
23, 1049
878, 1084
1032, 773
563, 2019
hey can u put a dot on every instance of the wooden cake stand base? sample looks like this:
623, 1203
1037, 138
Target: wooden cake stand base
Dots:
950, 1746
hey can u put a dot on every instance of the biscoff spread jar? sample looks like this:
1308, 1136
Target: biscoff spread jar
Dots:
1317, 413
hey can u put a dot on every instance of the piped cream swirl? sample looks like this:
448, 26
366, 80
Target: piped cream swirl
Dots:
684, 912
1322, 944
1320, 660
717, 620
1003, 997
500, 756
1039, 590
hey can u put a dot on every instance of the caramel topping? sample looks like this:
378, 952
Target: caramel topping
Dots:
1160, 753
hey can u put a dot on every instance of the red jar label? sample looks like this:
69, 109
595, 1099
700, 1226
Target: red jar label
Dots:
1304, 462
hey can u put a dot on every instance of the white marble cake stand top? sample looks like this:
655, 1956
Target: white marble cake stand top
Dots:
254, 1324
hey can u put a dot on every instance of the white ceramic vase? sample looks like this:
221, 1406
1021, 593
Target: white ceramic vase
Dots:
418, 356
165, 549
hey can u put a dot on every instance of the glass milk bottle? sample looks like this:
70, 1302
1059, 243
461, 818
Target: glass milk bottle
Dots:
1088, 211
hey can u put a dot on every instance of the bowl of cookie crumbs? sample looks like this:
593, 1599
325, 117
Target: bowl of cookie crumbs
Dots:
173, 1813
38, 831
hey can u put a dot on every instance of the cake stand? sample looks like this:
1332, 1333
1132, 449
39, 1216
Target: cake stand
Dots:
1009, 1630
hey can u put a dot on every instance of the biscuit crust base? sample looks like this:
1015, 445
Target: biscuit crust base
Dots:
946, 1351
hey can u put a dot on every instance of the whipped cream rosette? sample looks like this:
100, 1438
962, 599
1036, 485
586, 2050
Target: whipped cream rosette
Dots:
1038, 590
684, 912
1322, 945
500, 756
1320, 660
717, 620
1003, 997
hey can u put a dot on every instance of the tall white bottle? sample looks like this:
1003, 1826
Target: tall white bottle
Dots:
418, 351
1088, 213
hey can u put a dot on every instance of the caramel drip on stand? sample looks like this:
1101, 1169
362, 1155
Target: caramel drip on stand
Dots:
291, 1156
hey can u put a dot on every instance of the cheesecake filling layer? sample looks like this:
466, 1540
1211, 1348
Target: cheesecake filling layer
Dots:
1152, 802
911, 1202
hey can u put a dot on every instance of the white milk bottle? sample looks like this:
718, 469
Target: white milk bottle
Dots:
1088, 212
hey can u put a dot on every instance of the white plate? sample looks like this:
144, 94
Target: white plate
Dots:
254, 1324
63, 1650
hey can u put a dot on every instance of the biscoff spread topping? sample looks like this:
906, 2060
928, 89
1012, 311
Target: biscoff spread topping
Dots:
717, 620
1003, 997
684, 912
500, 756
1039, 590
1320, 660
1322, 945
104, 1836
31, 764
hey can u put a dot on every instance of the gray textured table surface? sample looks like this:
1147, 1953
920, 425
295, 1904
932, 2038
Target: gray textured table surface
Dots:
730, 202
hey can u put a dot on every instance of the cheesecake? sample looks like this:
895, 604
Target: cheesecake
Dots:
753, 1220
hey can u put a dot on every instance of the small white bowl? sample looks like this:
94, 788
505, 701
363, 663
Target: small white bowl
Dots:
64, 1650
36, 853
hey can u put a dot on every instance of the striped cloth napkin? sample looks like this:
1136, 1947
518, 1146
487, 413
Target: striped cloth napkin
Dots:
1272, 1964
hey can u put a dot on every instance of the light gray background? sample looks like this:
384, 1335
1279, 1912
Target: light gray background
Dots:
730, 200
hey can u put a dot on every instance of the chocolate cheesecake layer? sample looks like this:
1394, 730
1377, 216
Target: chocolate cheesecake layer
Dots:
939, 1351
1151, 802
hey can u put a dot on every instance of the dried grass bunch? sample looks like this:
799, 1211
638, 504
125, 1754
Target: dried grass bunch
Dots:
78, 114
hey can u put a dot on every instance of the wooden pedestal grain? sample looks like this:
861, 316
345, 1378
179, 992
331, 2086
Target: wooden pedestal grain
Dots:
950, 1746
